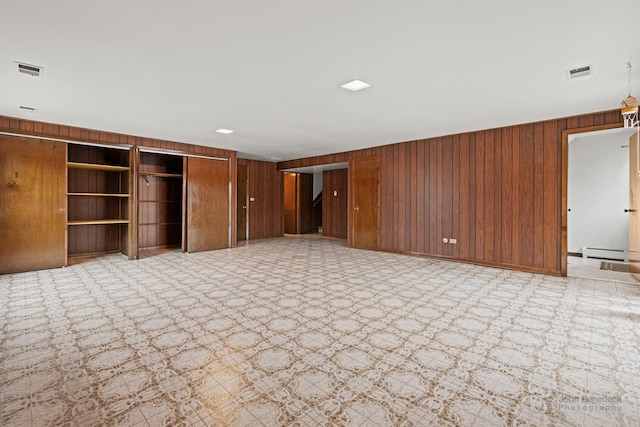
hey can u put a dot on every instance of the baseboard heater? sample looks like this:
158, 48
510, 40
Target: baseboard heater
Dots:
602, 253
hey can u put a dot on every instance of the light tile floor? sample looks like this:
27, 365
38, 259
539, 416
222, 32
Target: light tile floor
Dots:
589, 268
307, 332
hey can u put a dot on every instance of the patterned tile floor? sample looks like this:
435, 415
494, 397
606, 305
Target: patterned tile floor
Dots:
305, 332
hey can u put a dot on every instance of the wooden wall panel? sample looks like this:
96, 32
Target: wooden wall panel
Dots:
552, 205
479, 225
334, 208
497, 191
504, 179
464, 190
242, 202
455, 212
266, 187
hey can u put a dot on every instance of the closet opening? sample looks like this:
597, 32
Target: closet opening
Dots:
160, 203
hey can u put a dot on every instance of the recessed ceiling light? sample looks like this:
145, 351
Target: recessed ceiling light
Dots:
355, 85
225, 131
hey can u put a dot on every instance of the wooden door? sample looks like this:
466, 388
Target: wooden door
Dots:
634, 206
334, 203
291, 203
207, 204
32, 204
305, 203
365, 202
242, 211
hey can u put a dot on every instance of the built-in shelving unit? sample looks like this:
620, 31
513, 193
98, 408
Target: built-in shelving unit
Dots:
160, 201
98, 200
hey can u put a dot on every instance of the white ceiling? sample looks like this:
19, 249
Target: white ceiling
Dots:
272, 70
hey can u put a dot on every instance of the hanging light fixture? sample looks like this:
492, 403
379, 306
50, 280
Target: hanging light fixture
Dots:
630, 117
630, 105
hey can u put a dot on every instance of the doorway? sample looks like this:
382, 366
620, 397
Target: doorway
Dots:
328, 211
298, 203
596, 203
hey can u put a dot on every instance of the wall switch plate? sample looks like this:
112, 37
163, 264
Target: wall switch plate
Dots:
252, 199
453, 241
335, 193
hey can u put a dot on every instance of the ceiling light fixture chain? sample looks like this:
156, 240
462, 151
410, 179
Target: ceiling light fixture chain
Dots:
630, 105
629, 76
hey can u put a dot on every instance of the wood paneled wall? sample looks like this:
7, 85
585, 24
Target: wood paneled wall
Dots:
334, 208
29, 127
266, 212
498, 192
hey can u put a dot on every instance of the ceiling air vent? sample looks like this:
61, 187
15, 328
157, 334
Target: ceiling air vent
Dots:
578, 72
27, 108
32, 70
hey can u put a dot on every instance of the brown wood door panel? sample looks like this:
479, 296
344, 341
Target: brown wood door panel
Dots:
366, 202
207, 204
334, 203
634, 206
305, 203
291, 203
243, 203
32, 204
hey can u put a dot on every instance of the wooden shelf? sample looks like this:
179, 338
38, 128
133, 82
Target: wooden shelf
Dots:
160, 223
95, 166
98, 194
99, 222
161, 174
160, 201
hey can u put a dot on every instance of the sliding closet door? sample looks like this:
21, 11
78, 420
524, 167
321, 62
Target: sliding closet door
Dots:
32, 204
207, 204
